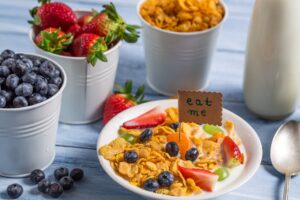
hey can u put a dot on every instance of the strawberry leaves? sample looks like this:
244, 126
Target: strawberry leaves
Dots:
127, 91
97, 52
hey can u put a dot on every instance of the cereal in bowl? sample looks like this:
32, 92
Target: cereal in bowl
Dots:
156, 153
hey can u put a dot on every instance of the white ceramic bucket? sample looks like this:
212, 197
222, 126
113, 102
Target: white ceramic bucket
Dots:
88, 86
176, 60
28, 135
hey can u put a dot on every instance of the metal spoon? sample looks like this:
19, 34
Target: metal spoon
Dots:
285, 152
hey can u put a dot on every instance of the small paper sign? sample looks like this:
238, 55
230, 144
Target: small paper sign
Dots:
200, 107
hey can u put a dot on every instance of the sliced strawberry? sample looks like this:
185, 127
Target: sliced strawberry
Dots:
153, 117
231, 153
204, 179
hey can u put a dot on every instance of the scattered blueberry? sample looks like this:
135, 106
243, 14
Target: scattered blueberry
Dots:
52, 89
43, 186
66, 182
37, 175
172, 149
7, 54
55, 190
10, 63
131, 156
61, 172
2, 101
24, 89
41, 86
47, 68
192, 154
8, 95
14, 191
151, 185
35, 98
174, 126
165, 179
77, 174
146, 135
4, 71
56, 80
19, 102
29, 77
12, 81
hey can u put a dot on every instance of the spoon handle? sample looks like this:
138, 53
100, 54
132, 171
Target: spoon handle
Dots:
286, 186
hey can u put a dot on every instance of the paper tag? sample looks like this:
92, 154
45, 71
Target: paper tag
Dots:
200, 107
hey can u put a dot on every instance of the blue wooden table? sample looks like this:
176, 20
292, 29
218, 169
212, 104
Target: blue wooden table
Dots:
76, 145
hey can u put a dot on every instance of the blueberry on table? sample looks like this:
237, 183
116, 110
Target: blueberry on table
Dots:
43, 186
61, 172
52, 89
131, 156
9, 95
47, 68
10, 63
151, 185
12, 81
2, 101
24, 89
174, 126
35, 98
165, 179
55, 190
14, 191
172, 149
77, 174
4, 71
192, 154
29, 77
66, 182
37, 175
19, 102
146, 135
7, 54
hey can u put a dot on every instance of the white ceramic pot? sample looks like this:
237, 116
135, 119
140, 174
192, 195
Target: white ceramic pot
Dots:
28, 135
88, 86
176, 60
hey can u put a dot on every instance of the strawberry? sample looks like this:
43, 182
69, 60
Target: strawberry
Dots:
89, 45
66, 53
74, 29
52, 14
53, 40
231, 153
204, 179
122, 100
110, 24
153, 117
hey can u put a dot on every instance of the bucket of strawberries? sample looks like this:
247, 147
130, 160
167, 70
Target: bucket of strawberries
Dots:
86, 44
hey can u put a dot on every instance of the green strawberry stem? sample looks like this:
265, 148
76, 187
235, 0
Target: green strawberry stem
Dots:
97, 52
127, 91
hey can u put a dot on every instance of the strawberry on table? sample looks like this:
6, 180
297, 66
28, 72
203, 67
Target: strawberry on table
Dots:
52, 14
231, 153
153, 117
53, 40
204, 179
122, 100
90, 45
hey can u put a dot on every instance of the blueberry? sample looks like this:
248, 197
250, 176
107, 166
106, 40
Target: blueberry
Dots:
77, 174
37, 62
43, 186
61, 172
165, 179
192, 154
10, 63
56, 80
174, 126
12, 81
29, 77
146, 135
20, 68
66, 182
35, 98
9, 95
57, 73
14, 191
41, 86
28, 63
1, 59
24, 89
172, 149
37, 175
151, 185
19, 102
2, 80
131, 156
7, 54
47, 68
2, 101
55, 190
19, 56
4, 71
52, 89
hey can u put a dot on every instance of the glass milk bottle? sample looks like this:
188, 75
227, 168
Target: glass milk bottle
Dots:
272, 73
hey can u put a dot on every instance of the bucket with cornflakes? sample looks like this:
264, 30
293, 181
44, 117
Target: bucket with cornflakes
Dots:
180, 38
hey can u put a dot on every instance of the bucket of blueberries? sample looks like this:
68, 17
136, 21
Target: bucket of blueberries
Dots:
31, 89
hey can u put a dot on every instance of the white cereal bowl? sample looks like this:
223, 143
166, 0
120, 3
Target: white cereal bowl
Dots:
251, 147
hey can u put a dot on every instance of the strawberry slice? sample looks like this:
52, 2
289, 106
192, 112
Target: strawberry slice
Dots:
231, 153
149, 119
204, 179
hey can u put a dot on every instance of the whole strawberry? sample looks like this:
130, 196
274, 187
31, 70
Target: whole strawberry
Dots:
83, 20
90, 45
53, 40
52, 14
122, 100
109, 24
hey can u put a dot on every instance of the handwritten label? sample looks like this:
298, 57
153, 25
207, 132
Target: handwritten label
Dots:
200, 107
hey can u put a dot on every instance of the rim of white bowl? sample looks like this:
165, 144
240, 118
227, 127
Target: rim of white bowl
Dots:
124, 183
61, 89
183, 33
